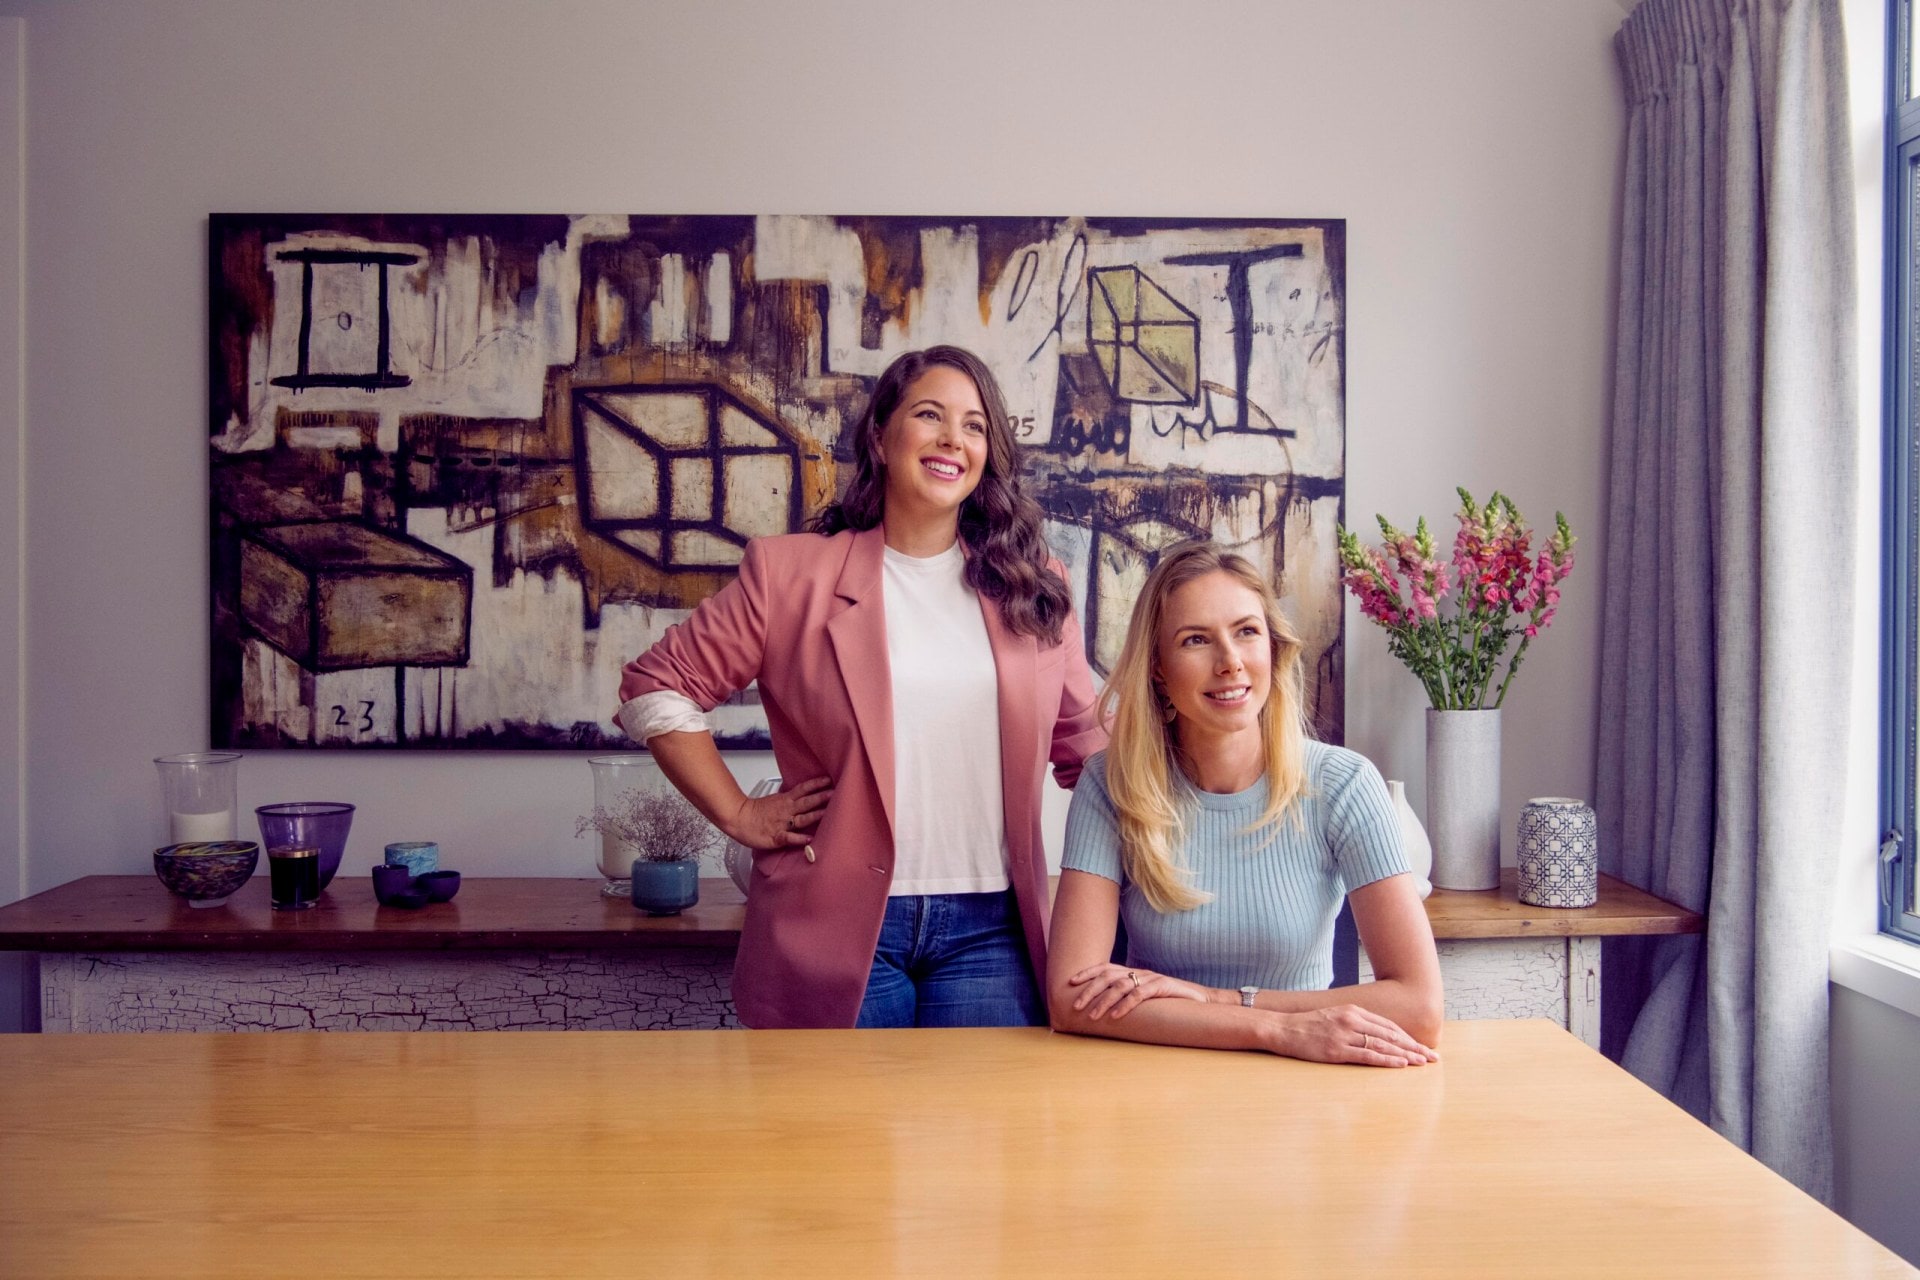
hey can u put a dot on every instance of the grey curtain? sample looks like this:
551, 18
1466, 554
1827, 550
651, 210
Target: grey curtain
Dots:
1729, 559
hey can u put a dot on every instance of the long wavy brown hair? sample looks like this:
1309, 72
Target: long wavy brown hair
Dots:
1007, 553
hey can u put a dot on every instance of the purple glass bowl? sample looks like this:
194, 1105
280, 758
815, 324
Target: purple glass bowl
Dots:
308, 824
439, 886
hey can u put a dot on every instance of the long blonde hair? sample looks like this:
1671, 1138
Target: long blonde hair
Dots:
1143, 756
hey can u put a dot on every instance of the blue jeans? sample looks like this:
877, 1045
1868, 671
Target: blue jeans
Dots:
952, 960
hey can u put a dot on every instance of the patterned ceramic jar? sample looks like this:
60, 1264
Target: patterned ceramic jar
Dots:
1559, 853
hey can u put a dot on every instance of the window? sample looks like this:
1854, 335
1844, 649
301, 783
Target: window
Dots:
1900, 675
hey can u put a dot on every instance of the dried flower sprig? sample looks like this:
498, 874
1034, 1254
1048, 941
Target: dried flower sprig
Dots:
661, 826
1503, 590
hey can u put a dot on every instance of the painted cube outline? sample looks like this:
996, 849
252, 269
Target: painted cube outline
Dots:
1129, 314
670, 535
303, 633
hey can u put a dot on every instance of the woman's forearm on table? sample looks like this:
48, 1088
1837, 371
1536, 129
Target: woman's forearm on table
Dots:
1188, 1023
1417, 1010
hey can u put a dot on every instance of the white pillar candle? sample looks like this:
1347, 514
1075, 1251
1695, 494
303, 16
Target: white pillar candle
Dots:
616, 857
197, 828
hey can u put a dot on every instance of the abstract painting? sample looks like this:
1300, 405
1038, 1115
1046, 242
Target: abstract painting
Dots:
464, 467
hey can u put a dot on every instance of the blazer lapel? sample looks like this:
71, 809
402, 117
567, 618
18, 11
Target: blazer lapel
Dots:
859, 636
1016, 659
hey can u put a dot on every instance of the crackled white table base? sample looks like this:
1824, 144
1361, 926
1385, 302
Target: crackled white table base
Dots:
1555, 978
399, 991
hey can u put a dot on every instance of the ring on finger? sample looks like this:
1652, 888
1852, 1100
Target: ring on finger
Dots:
1366, 1042
1136, 979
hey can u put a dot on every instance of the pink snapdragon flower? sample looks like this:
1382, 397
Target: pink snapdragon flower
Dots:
1504, 591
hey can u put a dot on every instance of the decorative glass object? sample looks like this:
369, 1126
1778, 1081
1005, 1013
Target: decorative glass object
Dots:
307, 824
613, 778
201, 791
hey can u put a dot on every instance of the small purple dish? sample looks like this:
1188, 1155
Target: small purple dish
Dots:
406, 900
389, 880
439, 886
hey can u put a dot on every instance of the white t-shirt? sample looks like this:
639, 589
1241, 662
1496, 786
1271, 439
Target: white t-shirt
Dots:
950, 820
950, 831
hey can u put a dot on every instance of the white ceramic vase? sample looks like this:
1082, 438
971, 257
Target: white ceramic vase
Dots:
1413, 838
1463, 798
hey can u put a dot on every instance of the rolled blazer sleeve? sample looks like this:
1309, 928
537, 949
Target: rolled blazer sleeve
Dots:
717, 651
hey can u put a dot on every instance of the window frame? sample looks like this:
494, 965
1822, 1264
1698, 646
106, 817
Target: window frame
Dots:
1900, 563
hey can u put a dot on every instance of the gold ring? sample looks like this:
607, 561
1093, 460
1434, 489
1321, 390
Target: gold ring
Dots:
1136, 979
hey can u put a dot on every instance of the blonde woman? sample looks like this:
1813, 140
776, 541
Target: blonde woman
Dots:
1226, 839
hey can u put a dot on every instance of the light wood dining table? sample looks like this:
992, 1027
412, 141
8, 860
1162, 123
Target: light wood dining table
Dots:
870, 1153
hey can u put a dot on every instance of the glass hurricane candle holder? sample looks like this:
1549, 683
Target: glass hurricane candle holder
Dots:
615, 779
201, 794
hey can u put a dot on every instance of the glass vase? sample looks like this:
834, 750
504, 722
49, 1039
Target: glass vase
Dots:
615, 779
200, 791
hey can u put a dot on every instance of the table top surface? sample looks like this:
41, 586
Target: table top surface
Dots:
136, 913
870, 1153
1498, 913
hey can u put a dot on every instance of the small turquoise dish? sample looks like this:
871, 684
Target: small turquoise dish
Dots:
417, 856
206, 873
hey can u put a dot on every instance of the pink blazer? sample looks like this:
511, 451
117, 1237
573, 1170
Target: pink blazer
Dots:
805, 618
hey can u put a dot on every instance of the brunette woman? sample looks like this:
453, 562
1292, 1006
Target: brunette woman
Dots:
1226, 838
920, 666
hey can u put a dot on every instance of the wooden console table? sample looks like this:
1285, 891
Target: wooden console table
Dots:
1504, 959
119, 953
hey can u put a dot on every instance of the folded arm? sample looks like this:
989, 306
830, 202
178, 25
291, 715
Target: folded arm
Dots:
1086, 995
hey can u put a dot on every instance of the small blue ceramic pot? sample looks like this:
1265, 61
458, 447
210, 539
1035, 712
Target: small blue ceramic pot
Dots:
417, 856
665, 888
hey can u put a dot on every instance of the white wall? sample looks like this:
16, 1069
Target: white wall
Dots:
14, 969
1876, 1124
1474, 148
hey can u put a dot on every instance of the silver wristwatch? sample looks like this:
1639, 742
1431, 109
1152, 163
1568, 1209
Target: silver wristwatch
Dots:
1247, 994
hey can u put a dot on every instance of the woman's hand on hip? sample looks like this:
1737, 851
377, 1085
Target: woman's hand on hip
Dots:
782, 820
1347, 1033
1114, 990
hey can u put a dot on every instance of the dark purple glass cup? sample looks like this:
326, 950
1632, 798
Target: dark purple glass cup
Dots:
308, 824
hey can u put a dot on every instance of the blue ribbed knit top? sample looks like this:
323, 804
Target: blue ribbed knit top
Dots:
1275, 891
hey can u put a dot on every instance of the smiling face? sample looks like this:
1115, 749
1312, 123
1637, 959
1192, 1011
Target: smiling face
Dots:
1213, 657
934, 446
